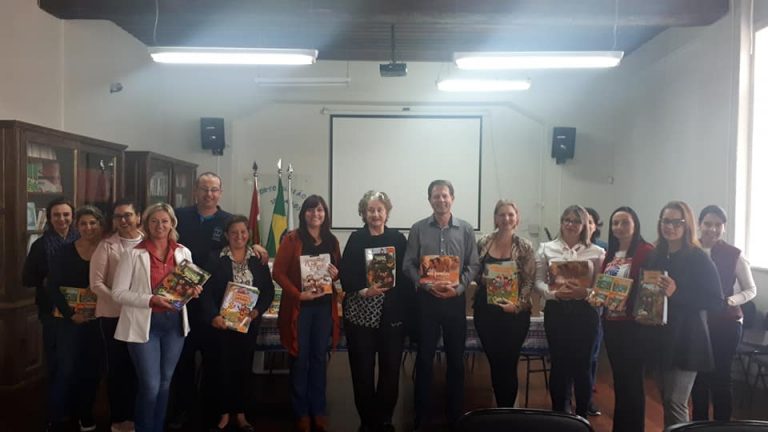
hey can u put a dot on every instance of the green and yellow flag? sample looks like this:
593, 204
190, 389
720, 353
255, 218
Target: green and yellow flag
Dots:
279, 221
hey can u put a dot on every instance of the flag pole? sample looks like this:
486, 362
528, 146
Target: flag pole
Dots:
255, 237
290, 197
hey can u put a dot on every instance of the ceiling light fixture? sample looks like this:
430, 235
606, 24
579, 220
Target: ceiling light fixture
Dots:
233, 56
537, 59
304, 82
482, 85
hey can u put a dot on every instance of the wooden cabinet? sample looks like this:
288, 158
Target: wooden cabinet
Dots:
38, 164
152, 178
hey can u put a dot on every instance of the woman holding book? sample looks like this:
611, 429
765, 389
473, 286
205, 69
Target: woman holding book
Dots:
308, 317
376, 293
231, 350
627, 342
78, 341
692, 287
738, 287
565, 272
503, 299
121, 378
152, 326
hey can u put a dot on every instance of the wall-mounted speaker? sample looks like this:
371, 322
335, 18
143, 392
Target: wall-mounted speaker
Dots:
212, 134
563, 143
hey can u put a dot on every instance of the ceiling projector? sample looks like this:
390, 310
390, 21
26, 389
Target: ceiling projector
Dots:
393, 69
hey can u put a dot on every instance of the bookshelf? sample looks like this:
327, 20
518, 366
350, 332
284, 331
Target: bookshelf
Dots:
152, 177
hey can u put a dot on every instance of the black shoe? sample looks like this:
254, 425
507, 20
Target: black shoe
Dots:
593, 410
568, 409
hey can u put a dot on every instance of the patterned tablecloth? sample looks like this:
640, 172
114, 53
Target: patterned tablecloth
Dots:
535, 342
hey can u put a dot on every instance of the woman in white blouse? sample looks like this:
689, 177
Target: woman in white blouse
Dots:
569, 321
724, 327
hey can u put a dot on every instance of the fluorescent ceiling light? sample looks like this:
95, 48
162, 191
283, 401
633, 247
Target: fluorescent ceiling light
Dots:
482, 85
538, 59
233, 56
304, 82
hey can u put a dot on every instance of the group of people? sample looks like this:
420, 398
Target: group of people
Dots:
151, 345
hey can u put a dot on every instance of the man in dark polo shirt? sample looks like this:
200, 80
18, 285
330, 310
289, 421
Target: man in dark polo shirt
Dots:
201, 229
441, 305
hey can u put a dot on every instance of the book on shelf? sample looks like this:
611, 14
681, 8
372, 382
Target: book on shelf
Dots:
239, 300
274, 308
177, 286
31, 216
42, 219
611, 292
577, 272
315, 276
380, 266
439, 268
651, 304
81, 300
502, 283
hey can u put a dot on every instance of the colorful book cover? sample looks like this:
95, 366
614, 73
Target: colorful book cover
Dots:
651, 304
274, 308
438, 268
561, 272
237, 304
177, 285
380, 266
81, 300
315, 276
501, 282
612, 292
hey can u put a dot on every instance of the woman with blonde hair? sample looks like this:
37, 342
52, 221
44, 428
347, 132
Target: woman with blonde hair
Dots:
569, 320
153, 328
692, 286
502, 326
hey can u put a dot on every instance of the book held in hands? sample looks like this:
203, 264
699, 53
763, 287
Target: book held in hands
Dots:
239, 300
380, 266
439, 268
611, 292
577, 272
178, 285
501, 282
651, 305
81, 300
315, 276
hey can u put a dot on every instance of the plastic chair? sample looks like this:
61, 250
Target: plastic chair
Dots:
716, 426
521, 419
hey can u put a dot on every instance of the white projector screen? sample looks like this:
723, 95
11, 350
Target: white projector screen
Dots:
401, 155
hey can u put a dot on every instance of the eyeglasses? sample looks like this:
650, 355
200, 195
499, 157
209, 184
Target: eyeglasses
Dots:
674, 223
211, 190
124, 216
571, 221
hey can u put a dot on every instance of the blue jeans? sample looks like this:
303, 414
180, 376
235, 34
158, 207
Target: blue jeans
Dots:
155, 362
308, 368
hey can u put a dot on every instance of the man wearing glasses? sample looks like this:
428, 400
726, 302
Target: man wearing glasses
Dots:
201, 229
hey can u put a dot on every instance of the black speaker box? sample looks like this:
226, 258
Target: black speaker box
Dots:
563, 143
212, 134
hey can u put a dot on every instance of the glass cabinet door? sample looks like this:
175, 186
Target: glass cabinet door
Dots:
50, 174
184, 180
159, 182
96, 180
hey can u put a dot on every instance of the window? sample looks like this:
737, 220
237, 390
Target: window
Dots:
757, 228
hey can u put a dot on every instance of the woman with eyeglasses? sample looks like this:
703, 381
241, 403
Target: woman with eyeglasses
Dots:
121, 378
692, 287
502, 327
627, 342
738, 287
569, 321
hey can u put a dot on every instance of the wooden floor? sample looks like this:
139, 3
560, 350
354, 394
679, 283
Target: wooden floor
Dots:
24, 411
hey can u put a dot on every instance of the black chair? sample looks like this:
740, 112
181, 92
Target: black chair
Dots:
717, 426
521, 419
752, 349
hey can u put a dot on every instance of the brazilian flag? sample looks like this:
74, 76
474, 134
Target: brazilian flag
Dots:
279, 221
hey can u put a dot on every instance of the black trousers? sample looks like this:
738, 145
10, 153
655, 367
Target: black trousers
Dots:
502, 335
229, 358
121, 376
631, 349
717, 385
436, 316
375, 399
571, 328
